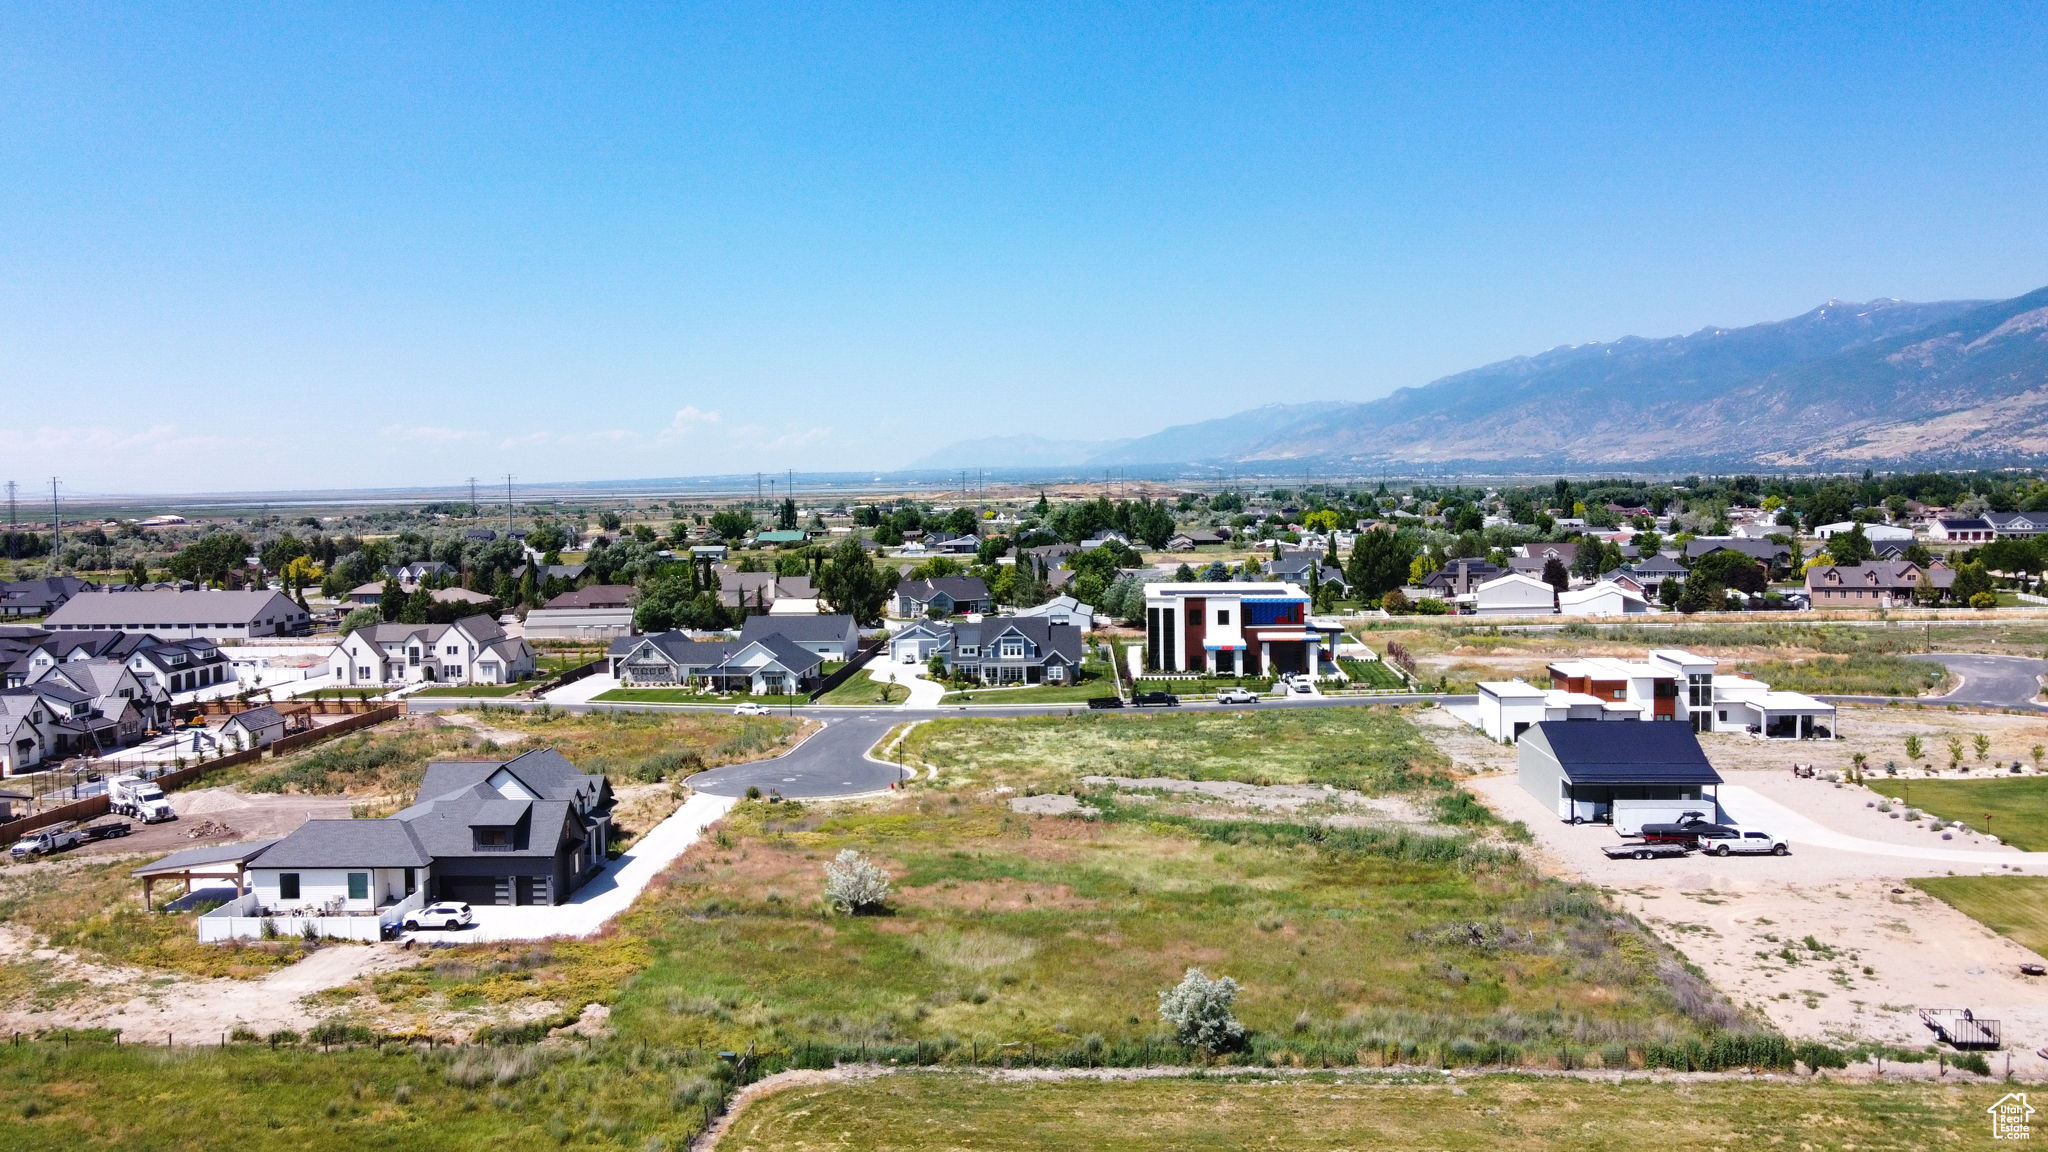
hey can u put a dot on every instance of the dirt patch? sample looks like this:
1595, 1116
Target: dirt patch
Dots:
150, 1006
221, 816
476, 724
1272, 798
1050, 804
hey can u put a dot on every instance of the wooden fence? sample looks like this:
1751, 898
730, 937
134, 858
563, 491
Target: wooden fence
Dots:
95, 806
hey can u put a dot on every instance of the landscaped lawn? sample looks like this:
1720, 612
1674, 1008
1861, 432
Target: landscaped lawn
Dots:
1094, 681
479, 691
2012, 808
862, 688
2012, 906
932, 1111
665, 696
1371, 673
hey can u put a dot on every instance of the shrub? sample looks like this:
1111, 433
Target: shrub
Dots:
855, 884
1198, 1009
1981, 602
1972, 1061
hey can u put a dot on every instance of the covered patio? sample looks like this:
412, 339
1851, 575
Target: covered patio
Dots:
227, 864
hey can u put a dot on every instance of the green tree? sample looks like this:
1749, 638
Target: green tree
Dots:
391, 601
1971, 581
785, 516
1379, 563
852, 584
732, 524
360, 618
211, 558
1554, 574
1851, 547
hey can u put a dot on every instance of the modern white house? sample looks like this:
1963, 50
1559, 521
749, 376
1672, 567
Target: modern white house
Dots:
473, 650
1235, 628
1670, 684
1510, 595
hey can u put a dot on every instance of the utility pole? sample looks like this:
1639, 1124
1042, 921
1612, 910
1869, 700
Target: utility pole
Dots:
508, 505
757, 487
13, 522
56, 522
472, 498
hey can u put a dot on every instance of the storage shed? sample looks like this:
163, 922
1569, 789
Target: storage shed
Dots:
1579, 770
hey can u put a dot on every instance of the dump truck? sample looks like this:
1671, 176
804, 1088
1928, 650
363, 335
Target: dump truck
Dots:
139, 798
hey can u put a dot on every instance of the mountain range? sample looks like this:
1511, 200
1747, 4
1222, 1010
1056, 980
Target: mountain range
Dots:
1888, 382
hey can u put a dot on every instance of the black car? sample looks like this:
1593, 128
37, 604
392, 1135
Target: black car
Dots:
1156, 700
1105, 701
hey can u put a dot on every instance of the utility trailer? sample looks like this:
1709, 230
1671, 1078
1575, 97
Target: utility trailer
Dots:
1646, 849
1962, 1029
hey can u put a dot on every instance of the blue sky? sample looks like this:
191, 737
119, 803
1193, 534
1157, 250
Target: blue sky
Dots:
293, 246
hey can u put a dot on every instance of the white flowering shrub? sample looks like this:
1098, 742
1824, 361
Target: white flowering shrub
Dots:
855, 884
1198, 1010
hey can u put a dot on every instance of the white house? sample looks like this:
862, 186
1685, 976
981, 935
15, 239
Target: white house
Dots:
1511, 595
473, 650
1668, 685
253, 728
1875, 533
1063, 610
1605, 598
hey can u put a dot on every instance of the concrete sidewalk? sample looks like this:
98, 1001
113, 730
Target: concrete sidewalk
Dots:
581, 691
608, 893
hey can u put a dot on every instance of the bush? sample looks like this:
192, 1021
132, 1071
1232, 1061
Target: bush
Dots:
1972, 1061
855, 884
1198, 1009
1982, 601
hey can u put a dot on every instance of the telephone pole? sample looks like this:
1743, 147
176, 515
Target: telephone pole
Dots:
508, 505
472, 498
56, 522
13, 521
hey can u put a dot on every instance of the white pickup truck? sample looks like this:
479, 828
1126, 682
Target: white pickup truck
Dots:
1726, 840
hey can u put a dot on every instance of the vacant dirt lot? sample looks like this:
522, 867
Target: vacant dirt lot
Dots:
221, 816
1829, 942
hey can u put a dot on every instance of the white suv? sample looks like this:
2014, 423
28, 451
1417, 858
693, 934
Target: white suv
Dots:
448, 915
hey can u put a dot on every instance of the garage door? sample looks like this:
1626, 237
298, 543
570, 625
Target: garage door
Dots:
469, 889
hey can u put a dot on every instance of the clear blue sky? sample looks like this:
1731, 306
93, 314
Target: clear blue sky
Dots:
284, 246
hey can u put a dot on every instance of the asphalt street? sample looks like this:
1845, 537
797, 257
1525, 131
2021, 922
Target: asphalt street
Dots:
1991, 681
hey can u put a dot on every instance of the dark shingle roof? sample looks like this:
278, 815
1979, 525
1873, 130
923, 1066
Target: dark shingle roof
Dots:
347, 844
802, 629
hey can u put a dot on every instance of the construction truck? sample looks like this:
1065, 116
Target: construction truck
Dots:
139, 798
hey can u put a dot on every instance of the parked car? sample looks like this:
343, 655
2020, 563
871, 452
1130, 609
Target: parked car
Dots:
448, 915
748, 708
1105, 701
1156, 700
1237, 696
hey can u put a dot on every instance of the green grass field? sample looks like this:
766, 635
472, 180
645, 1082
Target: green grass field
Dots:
2012, 808
2012, 906
934, 1111
1371, 673
1854, 675
861, 688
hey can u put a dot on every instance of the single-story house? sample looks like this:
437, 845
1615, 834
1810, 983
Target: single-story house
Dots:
1064, 610
1579, 770
1195, 538
2010, 525
1962, 530
767, 666
942, 596
835, 638
1511, 595
214, 615
253, 728
1605, 598
596, 596
1871, 532
577, 623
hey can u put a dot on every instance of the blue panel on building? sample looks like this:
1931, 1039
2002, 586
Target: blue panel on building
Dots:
1257, 612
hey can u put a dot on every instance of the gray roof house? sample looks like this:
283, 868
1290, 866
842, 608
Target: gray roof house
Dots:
529, 830
472, 650
766, 665
830, 637
214, 615
254, 727
40, 597
942, 596
1004, 650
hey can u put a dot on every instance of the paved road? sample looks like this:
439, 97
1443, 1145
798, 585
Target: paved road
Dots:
834, 762
1983, 682
1991, 681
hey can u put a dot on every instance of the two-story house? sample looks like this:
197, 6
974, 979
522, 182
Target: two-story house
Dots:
472, 650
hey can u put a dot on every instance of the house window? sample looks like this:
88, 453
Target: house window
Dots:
454, 651
359, 885
287, 885
1223, 616
1012, 649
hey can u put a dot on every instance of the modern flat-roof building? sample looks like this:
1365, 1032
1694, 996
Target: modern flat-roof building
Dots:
177, 615
1235, 628
1668, 684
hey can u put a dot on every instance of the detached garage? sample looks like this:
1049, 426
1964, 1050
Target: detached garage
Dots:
1579, 770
